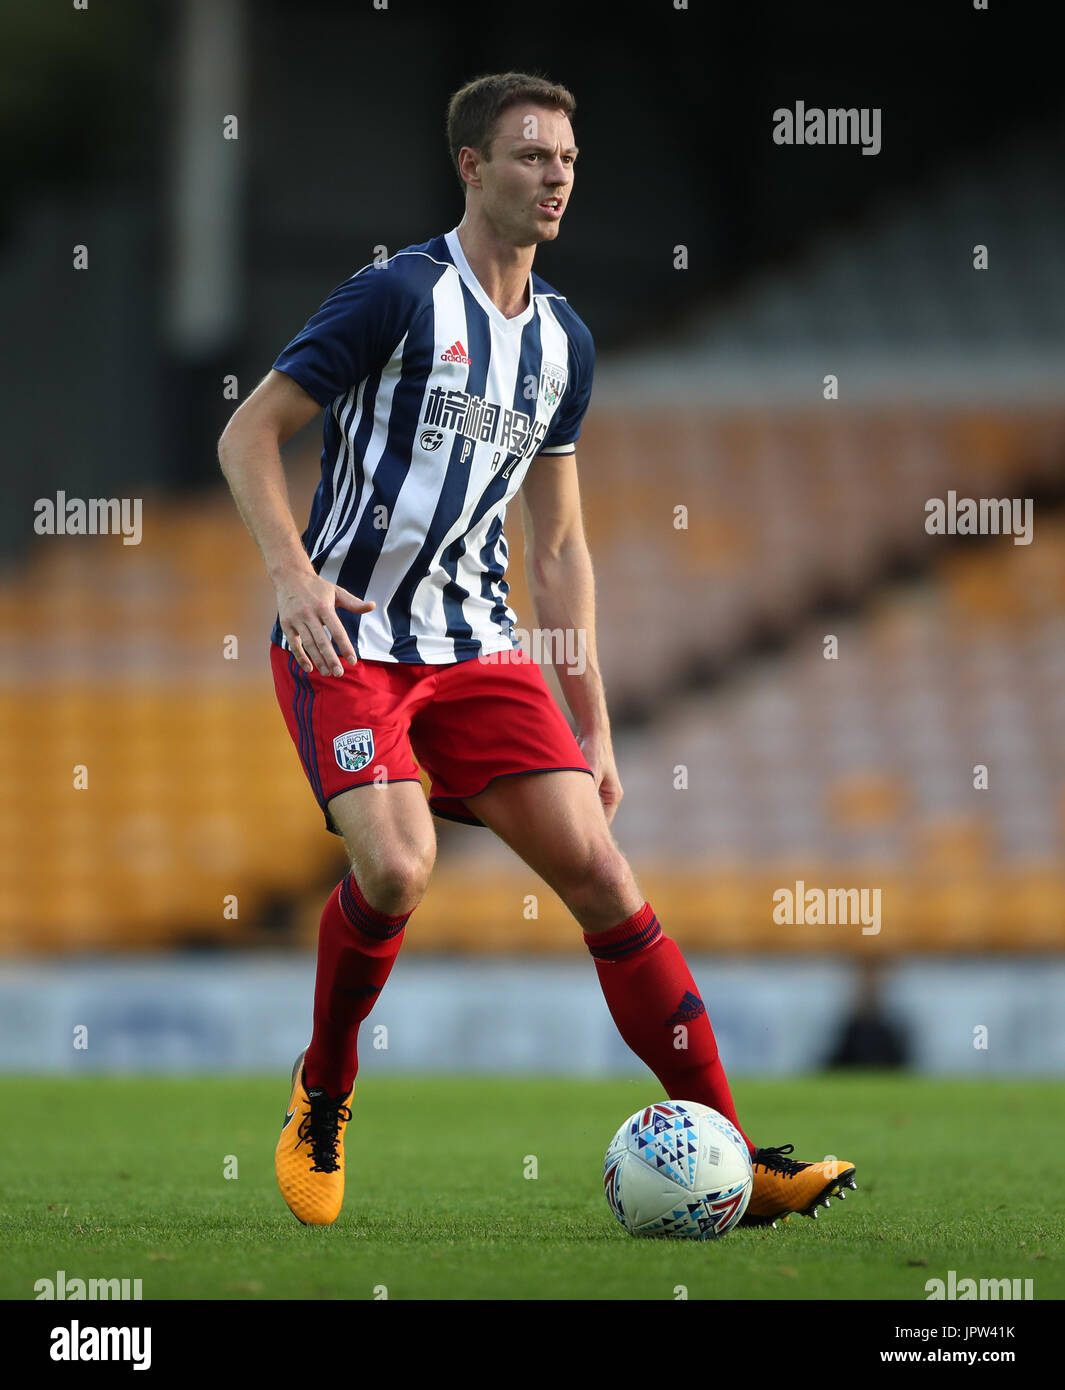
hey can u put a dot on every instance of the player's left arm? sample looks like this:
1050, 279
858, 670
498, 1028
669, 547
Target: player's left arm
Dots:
562, 586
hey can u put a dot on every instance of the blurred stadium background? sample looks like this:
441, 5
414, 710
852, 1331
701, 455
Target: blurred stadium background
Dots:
805, 518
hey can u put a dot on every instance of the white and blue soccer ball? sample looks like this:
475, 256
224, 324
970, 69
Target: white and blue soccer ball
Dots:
678, 1168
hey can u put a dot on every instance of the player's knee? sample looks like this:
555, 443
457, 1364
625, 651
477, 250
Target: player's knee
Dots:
601, 885
395, 882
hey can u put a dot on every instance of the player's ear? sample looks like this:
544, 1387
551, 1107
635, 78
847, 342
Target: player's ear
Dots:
470, 166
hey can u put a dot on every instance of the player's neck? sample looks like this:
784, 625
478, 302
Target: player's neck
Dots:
502, 270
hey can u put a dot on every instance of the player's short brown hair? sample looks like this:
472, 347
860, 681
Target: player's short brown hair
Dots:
475, 109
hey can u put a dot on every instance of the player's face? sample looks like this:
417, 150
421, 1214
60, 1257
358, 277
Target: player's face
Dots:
527, 183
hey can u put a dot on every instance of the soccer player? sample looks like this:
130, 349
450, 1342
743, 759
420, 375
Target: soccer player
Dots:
452, 376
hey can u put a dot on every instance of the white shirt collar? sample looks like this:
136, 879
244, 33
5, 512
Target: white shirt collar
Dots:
494, 313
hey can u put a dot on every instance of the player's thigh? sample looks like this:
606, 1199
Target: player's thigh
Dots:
389, 834
555, 822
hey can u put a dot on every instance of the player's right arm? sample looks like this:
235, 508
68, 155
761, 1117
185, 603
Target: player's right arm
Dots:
249, 453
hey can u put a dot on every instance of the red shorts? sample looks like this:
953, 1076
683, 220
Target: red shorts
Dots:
467, 723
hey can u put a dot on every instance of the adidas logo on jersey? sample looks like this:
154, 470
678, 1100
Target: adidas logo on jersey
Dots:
456, 353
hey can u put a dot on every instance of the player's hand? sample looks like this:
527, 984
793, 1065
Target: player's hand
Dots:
307, 608
599, 755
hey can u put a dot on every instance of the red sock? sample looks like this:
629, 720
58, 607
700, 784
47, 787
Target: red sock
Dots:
357, 946
650, 992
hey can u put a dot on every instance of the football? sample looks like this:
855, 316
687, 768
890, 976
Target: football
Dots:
679, 1169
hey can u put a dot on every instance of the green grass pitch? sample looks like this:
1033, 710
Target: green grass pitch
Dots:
112, 1178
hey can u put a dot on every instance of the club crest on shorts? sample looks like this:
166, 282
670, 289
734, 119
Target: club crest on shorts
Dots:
354, 749
552, 382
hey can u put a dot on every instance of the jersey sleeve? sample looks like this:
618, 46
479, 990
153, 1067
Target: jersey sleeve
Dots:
354, 333
565, 429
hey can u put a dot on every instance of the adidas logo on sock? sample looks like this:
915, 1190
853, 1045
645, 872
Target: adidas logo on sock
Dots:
691, 1006
456, 353
360, 991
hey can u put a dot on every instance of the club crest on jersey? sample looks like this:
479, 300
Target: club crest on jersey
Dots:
354, 749
552, 382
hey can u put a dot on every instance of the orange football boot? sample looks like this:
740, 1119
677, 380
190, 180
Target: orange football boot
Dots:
309, 1159
783, 1186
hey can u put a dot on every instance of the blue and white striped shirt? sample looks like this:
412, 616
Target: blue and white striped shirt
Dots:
436, 405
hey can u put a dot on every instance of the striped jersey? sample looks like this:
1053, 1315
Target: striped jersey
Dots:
436, 405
